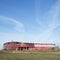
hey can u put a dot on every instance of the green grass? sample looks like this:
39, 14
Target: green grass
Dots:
29, 55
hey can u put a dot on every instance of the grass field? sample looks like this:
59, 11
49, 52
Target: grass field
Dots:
29, 55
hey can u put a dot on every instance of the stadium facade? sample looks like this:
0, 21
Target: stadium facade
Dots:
28, 46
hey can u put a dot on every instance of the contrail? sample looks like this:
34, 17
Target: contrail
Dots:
53, 14
18, 25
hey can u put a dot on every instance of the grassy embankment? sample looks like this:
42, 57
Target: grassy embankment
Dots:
30, 55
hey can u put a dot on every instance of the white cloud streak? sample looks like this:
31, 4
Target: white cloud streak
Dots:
53, 16
18, 25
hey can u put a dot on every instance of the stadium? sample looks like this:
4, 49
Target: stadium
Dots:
28, 46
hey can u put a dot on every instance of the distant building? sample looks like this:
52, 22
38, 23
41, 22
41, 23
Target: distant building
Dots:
27, 46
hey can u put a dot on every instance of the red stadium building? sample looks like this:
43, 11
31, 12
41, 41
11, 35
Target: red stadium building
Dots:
27, 46
39, 46
18, 46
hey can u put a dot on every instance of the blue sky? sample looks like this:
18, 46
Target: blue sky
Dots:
30, 21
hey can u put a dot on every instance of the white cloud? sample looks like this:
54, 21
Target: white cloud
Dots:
18, 26
53, 17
